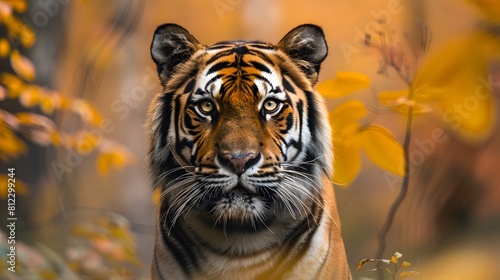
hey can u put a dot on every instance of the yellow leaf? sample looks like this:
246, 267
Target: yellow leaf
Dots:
344, 118
86, 142
27, 36
361, 263
399, 102
18, 5
383, 149
31, 96
64, 102
460, 70
22, 66
114, 157
87, 112
394, 259
347, 163
47, 104
405, 274
343, 84
37, 128
19, 186
11, 146
405, 264
33, 119
85, 231
4, 47
12, 83
55, 138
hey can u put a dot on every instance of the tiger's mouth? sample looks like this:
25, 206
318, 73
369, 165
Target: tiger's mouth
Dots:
238, 210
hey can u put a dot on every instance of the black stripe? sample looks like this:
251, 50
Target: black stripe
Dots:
188, 245
207, 85
300, 119
260, 66
188, 122
184, 247
297, 231
157, 268
177, 112
291, 243
261, 45
312, 114
219, 66
306, 227
179, 256
219, 46
180, 145
164, 165
288, 123
298, 143
263, 56
190, 86
166, 113
323, 262
288, 87
219, 55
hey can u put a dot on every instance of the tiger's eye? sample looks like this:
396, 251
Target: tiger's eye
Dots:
270, 105
206, 106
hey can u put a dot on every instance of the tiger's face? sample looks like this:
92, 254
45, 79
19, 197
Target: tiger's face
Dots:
238, 135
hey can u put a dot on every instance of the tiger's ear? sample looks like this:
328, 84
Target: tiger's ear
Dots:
171, 46
306, 45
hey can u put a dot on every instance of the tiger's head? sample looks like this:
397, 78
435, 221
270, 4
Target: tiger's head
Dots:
238, 137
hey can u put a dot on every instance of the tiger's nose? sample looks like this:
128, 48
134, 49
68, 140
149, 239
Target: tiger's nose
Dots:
239, 161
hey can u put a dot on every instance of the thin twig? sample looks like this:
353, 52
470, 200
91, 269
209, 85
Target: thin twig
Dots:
406, 180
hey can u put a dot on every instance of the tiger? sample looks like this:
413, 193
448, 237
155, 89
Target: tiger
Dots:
240, 151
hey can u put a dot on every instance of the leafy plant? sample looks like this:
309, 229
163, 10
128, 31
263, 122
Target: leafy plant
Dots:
103, 248
40, 128
453, 84
394, 262
100, 249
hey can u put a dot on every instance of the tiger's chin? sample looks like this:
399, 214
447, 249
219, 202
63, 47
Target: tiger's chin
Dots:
238, 211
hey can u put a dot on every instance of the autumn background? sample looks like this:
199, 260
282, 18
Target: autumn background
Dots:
76, 79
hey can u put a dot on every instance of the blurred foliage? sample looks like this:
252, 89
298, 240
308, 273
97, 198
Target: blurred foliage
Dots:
103, 249
453, 83
396, 266
40, 128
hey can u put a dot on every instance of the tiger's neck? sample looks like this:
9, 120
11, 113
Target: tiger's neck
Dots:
267, 253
